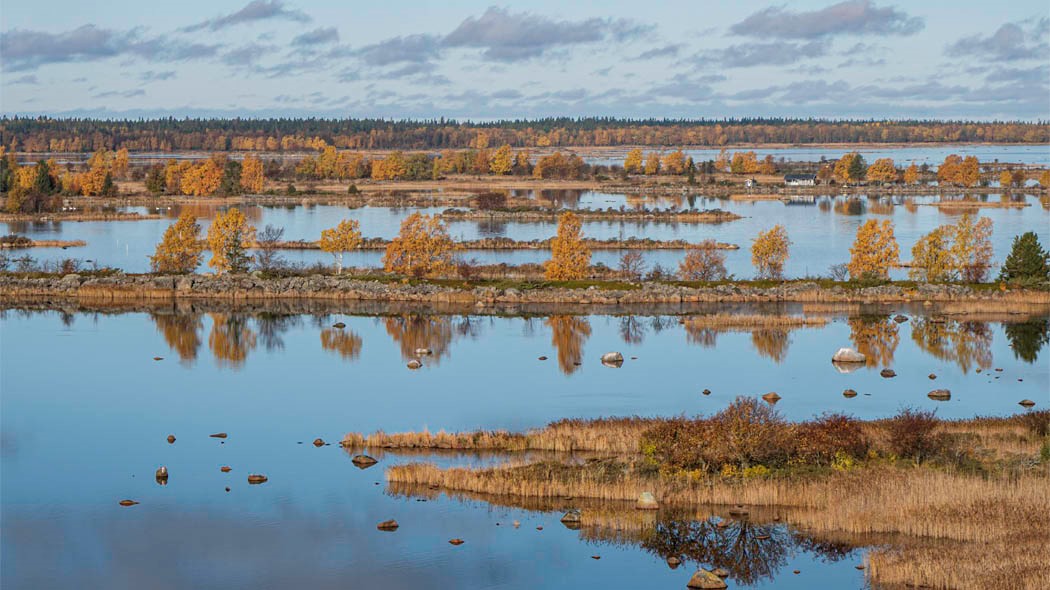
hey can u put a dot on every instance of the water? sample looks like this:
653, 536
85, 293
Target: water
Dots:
821, 228
86, 409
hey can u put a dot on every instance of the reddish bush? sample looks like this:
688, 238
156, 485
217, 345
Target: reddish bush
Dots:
818, 441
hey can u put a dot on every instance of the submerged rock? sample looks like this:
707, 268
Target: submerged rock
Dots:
706, 392
388, 525
543, 358
848, 355
128, 502
596, 557
612, 359
705, 580
363, 461
646, 501
940, 395
888, 373
932, 376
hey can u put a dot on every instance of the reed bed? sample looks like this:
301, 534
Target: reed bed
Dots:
751, 321
631, 243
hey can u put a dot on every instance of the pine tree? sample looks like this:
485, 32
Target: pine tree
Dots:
1027, 262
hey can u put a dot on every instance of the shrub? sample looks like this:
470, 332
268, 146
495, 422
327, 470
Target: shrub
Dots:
830, 438
703, 262
911, 434
1037, 422
747, 432
492, 200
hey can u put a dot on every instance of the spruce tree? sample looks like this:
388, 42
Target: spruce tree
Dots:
1028, 262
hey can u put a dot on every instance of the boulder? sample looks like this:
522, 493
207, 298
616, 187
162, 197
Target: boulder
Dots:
849, 393
771, 397
1027, 403
646, 501
318, 442
414, 364
339, 325
218, 435
457, 542
932, 376
256, 478
612, 359
225, 469
571, 517
388, 525
705, 580
888, 373
363, 461
941, 395
673, 562
162, 473
171, 439
848, 355
706, 392
128, 502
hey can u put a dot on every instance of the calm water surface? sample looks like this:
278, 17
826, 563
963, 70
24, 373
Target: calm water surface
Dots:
821, 228
85, 410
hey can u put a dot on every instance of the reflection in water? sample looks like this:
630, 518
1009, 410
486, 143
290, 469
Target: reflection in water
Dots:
851, 206
772, 343
632, 330
271, 327
965, 343
341, 341
876, 337
231, 339
415, 331
1028, 338
181, 331
568, 333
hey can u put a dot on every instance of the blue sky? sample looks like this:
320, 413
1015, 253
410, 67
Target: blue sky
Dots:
858, 58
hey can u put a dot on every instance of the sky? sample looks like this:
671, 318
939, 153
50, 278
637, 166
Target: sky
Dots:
475, 60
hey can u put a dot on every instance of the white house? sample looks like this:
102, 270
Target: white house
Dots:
800, 179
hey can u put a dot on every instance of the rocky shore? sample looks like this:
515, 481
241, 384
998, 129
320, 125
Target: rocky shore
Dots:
161, 288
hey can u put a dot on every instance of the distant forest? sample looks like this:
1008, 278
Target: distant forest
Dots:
216, 135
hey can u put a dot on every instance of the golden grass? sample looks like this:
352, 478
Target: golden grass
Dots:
49, 244
750, 321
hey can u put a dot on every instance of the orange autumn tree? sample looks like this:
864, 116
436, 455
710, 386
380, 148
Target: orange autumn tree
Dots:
422, 248
911, 174
342, 238
874, 251
228, 238
882, 170
570, 258
252, 175
652, 165
971, 249
632, 164
674, 162
179, 251
502, 161
703, 262
769, 252
120, 163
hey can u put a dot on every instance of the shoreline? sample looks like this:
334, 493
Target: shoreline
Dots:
168, 289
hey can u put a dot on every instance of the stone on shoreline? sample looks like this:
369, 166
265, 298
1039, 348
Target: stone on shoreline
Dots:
705, 580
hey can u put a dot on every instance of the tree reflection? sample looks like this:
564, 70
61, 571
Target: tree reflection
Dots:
344, 342
415, 331
850, 206
876, 337
1028, 338
181, 331
231, 338
272, 327
568, 333
965, 343
750, 552
632, 330
771, 344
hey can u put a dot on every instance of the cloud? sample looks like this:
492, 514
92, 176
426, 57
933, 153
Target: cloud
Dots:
246, 55
775, 53
852, 17
26, 79
318, 36
670, 50
22, 49
256, 10
688, 88
409, 49
505, 36
120, 94
1010, 42
151, 76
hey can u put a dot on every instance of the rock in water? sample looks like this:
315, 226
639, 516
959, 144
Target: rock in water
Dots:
128, 502
705, 580
849, 393
456, 542
257, 478
171, 439
721, 572
900, 319
571, 519
706, 392
162, 473
932, 376
218, 435
1027, 403
424, 352
318, 442
388, 525
646, 501
848, 355
414, 364
339, 325
888, 373
941, 395
673, 562
225, 469
771, 397
612, 359
363, 461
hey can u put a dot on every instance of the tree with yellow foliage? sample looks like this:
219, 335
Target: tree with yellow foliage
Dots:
874, 251
768, 166
633, 162
179, 251
252, 178
202, 179
911, 174
502, 161
970, 171
744, 163
570, 258
652, 165
882, 170
948, 171
722, 160
228, 237
703, 262
93, 182
931, 260
391, 167
1044, 179
120, 163
971, 249
674, 162
422, 248
769, 252
1005, 179
342, 238
850, 168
